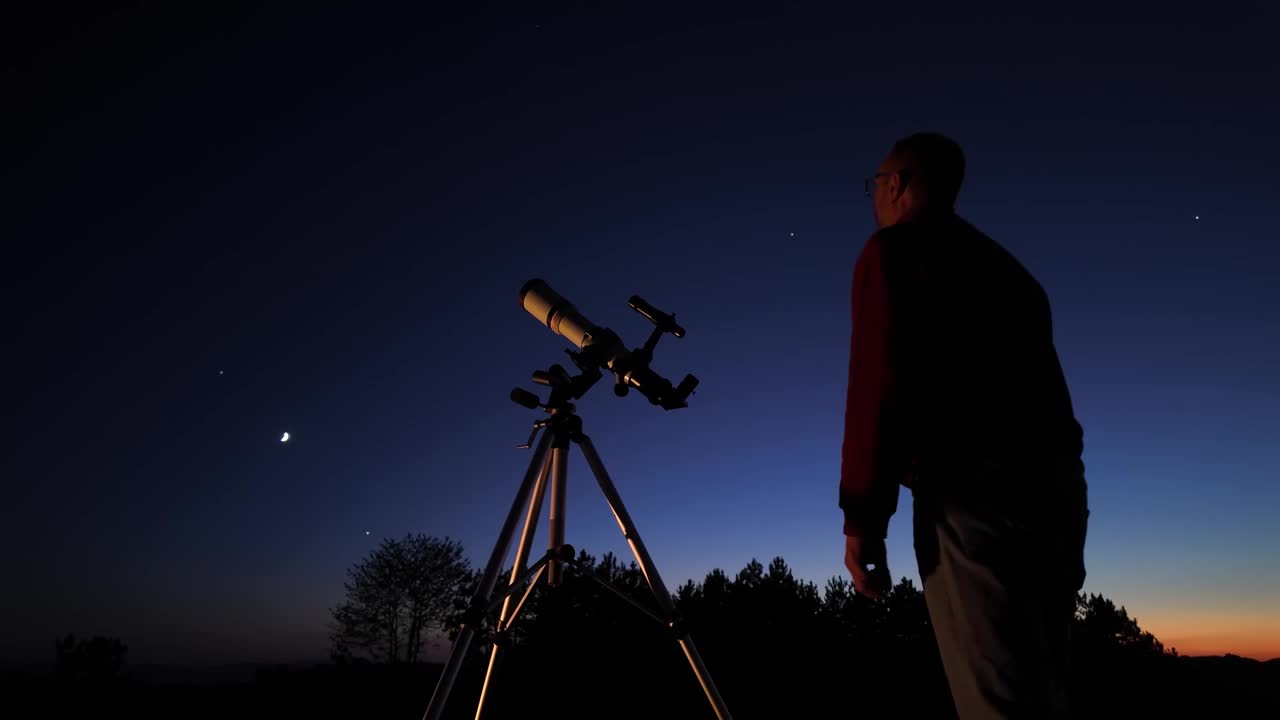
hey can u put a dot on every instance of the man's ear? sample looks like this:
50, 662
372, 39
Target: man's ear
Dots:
897, 186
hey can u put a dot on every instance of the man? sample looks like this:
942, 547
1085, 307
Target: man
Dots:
956, 391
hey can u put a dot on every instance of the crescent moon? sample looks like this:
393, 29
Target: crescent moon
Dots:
284, 437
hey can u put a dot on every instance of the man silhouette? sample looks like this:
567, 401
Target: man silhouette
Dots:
955, 391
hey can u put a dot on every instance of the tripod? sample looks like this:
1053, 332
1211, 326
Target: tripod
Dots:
549, 466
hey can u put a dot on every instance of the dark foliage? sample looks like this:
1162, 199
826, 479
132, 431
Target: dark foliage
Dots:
98, 661
397, 596
776, 646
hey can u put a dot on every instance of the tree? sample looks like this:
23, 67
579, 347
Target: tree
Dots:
1099, 623
99, 660
396, 596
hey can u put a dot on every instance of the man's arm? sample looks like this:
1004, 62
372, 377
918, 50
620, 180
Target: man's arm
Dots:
871, 462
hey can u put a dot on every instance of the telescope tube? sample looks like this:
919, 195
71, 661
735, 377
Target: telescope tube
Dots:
552, 310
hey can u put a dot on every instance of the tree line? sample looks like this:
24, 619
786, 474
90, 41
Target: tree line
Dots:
773, 642
776, 645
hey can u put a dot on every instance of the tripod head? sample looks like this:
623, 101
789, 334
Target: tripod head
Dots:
601, 349
564, 387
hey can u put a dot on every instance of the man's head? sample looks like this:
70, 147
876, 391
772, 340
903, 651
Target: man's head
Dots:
920, 176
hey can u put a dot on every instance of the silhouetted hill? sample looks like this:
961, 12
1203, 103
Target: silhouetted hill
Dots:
1191, 687
1250, 682
199, 675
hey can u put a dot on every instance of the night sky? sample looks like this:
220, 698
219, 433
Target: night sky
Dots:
222, 227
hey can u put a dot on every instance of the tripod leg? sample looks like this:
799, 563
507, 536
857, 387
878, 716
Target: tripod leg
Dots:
435, 709
651, 576
518, 568
559, 478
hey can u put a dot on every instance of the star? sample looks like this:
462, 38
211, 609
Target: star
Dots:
1197, 217
366, 532
219, 372
793, 234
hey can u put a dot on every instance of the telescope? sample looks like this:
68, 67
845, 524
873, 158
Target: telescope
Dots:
601, 349
598, 349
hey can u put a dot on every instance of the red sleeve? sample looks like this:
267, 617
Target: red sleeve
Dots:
869, 467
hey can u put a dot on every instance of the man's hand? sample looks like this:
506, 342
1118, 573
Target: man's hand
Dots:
859, 554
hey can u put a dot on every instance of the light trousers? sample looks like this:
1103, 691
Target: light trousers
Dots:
1001, 554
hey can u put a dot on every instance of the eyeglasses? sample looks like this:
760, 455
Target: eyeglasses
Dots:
869, 185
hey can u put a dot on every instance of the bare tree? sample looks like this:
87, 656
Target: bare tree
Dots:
396, 596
